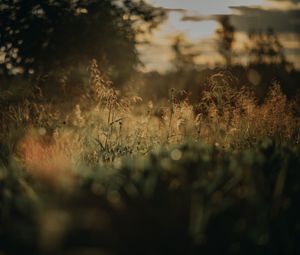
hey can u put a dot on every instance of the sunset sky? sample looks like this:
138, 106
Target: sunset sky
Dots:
194, 19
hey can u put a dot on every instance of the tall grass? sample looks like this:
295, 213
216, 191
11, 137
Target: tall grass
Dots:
103, 125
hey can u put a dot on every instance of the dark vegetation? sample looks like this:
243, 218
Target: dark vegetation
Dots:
59, 38
189, 199
99, 158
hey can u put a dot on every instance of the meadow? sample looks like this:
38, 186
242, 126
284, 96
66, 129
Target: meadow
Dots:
108, 172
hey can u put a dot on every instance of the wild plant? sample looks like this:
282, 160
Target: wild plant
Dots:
105, 126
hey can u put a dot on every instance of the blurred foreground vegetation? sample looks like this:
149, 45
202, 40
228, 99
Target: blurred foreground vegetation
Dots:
184, 199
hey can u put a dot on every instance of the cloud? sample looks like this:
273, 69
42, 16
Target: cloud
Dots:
182, 10
249, 18
261, 19
197, 18
293, 1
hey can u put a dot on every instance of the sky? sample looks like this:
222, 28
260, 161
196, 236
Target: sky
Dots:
194, 19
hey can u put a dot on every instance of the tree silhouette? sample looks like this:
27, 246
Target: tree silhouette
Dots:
43, 36
226, 38
184, 55
265, 47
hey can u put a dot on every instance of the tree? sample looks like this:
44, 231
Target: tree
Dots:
226, 38
184, 54
44, 36
266, 48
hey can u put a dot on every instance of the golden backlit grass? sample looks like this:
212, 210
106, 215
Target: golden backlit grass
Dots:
105, 126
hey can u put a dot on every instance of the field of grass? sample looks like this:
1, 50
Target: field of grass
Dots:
108, 173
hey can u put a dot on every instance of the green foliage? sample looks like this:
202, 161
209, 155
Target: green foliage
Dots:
47, 36
186, 199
